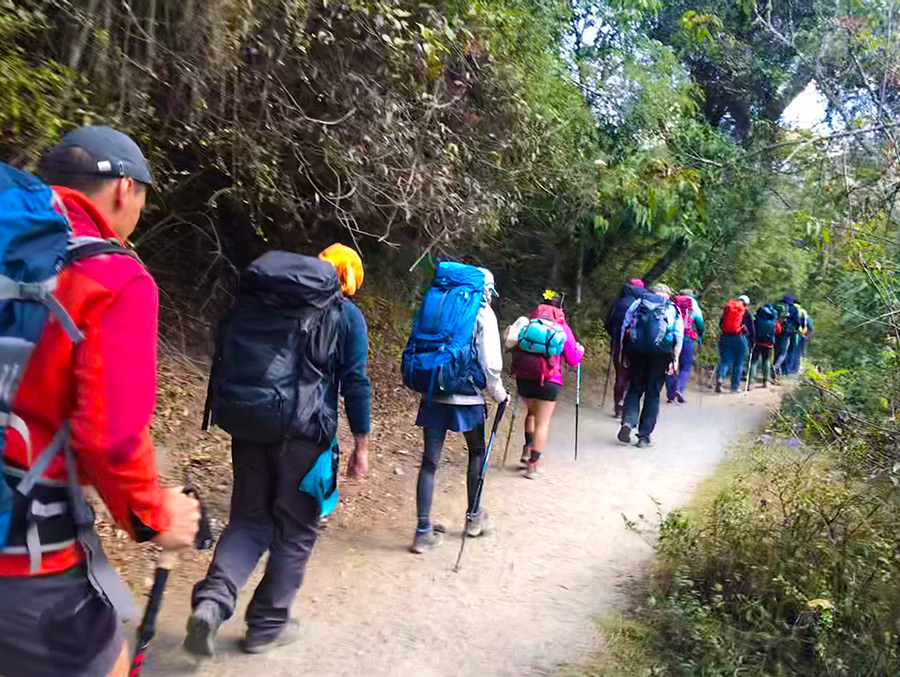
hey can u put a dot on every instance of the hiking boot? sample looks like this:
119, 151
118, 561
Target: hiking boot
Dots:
624, 435
202, 627
526, 456
679, 398
427, 540
479, 525
719, 388
643, 442
531, 469
670, 400
289, 634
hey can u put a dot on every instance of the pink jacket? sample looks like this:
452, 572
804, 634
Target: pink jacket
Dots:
572, 352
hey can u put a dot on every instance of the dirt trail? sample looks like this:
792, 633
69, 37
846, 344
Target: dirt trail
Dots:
528, 595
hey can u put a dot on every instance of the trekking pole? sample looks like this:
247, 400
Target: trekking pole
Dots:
605, 385
749, 365
578, 404
501, 408
147, 629
512, 426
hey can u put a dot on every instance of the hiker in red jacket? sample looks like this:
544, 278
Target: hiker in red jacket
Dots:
57, 614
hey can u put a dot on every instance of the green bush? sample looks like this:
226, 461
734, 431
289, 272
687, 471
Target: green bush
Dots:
793, 566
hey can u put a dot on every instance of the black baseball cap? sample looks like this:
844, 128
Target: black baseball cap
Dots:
107, 153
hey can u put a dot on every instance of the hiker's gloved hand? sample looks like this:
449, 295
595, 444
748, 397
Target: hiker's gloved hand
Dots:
358, 464
184, 516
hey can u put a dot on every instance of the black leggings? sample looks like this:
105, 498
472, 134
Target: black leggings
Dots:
434, 444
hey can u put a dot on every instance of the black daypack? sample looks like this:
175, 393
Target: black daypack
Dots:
276, 353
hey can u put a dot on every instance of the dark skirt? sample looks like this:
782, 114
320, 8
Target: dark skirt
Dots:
458, 418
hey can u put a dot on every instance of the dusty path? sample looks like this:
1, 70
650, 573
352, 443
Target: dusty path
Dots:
527, 596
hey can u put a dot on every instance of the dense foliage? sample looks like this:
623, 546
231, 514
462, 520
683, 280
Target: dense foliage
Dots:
565, 143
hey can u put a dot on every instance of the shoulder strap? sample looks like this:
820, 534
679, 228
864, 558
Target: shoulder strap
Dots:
88, 247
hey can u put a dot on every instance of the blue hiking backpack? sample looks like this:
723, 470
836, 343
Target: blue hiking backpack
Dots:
36, 241
440, 356
650, 332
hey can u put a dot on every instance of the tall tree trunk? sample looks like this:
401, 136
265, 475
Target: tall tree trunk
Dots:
665, 262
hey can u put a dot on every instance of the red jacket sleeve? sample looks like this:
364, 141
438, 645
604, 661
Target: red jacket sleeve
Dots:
115, 393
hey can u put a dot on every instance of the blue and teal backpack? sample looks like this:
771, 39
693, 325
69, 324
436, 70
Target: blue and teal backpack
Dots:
440, 356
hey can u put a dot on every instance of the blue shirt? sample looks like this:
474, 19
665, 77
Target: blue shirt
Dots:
351, 378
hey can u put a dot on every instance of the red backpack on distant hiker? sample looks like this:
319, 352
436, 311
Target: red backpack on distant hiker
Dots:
733, 318
686, 305
533, 366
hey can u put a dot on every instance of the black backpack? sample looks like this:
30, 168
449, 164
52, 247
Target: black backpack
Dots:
276, 353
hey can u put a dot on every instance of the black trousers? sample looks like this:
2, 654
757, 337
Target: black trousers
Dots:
268, 512
648, 374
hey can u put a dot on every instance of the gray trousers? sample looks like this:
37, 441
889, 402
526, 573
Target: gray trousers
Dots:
268, 512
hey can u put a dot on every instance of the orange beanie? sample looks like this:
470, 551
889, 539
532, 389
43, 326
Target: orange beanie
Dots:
348, 265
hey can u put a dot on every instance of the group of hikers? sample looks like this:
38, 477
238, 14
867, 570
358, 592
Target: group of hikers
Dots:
78, 340
655, 336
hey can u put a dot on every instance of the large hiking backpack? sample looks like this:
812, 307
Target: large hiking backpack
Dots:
650, 332
685, 305
766, 321
440, 356
276, 353
733, 317
535, 364
36, 242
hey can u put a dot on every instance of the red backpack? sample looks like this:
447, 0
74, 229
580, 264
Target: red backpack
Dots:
532, 366
733, 317
686, 305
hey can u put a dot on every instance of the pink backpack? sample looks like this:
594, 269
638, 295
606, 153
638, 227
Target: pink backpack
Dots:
686, 305
534, 367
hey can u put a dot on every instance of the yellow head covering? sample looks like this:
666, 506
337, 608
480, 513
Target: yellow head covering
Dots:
348, 265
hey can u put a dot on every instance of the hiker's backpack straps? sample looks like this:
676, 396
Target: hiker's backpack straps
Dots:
277, 352
34, 237
440, 357
651, 332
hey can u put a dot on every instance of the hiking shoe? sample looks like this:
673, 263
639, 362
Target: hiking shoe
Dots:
643, 442
624, 435
718, 387
679, 398
670, 400
479, 525
202, 627
531, 470
526, 456
426, 540
289, 634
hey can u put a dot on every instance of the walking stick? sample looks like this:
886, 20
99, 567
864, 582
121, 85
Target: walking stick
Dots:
147, 628
480, 486
578, 404
512, 426
749, 365
609, 369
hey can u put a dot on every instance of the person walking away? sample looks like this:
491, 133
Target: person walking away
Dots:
652, 338
738, 336
539, 375
452, 355
634, 289
291, 344
791, 327
81, 411
677, 383
800, 340
766, 326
